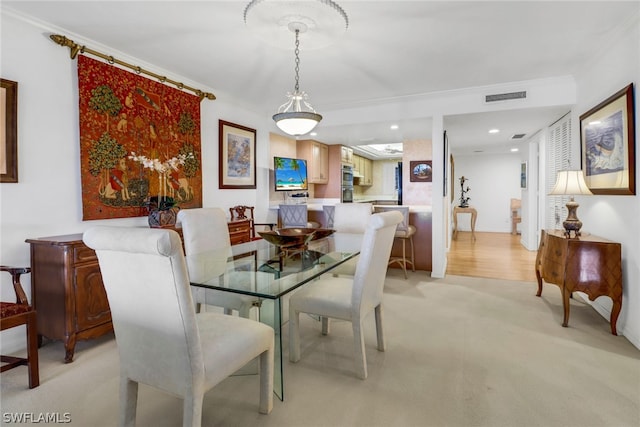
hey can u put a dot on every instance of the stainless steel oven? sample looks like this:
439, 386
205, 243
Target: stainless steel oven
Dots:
347, 176
347, 184
347, 195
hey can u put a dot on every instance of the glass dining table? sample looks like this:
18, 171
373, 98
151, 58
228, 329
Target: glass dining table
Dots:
258, 273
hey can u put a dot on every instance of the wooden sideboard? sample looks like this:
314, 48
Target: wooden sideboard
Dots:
588, 264
67, 289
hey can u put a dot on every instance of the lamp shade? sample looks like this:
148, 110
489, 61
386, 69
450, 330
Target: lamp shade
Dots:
570, 182
297, 123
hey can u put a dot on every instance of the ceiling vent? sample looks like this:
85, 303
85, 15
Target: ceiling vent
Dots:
518, 135
505, 96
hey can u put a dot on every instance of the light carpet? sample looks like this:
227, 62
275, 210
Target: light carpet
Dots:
461, 351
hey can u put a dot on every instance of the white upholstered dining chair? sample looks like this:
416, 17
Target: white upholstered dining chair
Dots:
208, 247
350, 298
349, 219
161, 340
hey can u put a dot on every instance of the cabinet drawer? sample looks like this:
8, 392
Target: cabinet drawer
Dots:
84, 254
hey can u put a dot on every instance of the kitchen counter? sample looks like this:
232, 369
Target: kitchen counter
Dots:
419, 216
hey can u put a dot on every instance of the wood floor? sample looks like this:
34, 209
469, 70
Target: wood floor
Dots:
492, 255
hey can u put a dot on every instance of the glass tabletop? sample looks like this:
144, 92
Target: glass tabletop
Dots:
263, 270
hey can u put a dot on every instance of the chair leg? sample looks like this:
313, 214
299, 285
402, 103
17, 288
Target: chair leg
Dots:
266, 381
413, 257
294, 336
192, 410
32, 351
404, 258
360, 357
325, 325
379, 329
128, 401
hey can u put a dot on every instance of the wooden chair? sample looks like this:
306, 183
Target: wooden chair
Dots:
17, 314
239, 213
516, 204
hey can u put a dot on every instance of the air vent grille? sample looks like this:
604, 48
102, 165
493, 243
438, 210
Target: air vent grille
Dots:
505, 96
518, 136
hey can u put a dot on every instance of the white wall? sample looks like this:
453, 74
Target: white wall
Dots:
47, 199
494, 180
616, 218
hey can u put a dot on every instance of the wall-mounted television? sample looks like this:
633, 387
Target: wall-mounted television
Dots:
290, 174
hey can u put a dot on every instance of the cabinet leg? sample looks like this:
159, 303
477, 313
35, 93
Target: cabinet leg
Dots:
70, 348
539, 282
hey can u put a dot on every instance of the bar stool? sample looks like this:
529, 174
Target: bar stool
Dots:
404, 232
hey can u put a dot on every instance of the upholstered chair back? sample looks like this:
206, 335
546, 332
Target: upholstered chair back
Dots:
351, 217
145, 277
206, 242
371, 270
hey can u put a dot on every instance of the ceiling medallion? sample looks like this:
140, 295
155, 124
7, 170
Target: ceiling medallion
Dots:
269, 20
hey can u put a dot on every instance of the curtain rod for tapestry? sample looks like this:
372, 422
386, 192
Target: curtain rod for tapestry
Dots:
76, 48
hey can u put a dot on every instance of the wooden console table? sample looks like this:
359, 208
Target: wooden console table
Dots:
474, 215
589, 264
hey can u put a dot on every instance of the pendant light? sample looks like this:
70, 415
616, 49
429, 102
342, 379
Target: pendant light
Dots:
297, 117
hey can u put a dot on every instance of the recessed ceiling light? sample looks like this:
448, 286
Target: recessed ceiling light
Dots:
394, 127
494, 130
313, 133
514, 150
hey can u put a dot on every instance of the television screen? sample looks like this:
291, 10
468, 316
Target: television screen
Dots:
290, 174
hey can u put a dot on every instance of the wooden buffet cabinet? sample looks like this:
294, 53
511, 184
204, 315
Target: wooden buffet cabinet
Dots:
67, 290
587, 264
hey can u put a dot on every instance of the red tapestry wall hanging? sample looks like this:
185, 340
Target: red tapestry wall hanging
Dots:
139, 139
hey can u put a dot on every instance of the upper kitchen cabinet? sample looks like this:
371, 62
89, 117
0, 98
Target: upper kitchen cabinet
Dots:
346, 155
362, 171
317, 156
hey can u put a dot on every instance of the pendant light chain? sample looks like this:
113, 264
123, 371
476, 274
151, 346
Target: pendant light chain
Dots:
297, 52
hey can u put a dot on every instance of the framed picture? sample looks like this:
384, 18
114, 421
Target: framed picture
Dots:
420, 171
607, 142
523, 175
9, 137
237, 156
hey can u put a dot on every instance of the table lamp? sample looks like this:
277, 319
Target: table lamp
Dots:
571, 183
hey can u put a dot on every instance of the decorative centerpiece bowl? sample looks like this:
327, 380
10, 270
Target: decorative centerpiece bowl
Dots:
294, 237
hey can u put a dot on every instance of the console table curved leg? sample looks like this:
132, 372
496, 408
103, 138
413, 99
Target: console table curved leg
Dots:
566, 294
615, 312
539, 283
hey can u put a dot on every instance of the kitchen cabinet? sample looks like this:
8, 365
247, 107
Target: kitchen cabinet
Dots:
346, 155
363, 170
367, 172
317, 156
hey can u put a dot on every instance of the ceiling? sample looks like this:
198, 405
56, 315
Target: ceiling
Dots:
391, 50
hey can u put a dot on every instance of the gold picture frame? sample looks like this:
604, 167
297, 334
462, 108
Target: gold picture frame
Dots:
607, 143
237, 156
9, 134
